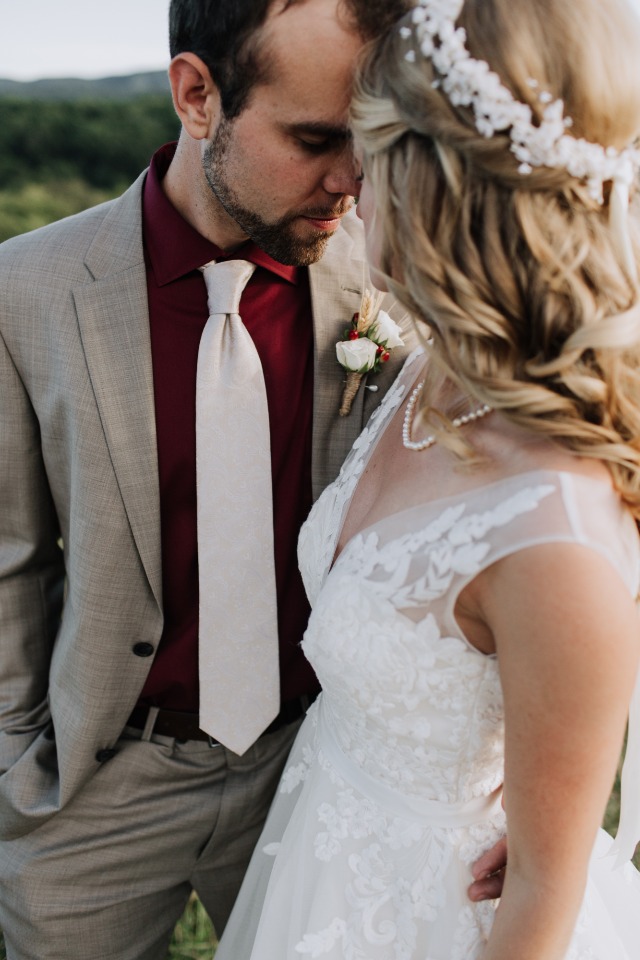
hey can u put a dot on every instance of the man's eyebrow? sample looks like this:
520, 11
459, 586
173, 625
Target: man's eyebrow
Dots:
315, 128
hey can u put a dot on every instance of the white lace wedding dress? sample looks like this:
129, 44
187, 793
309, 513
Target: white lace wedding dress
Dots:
392, 789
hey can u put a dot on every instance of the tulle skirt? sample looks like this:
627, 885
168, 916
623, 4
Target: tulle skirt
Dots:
350, 869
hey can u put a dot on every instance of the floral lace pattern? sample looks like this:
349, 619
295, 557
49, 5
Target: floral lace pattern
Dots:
417, 710
320, 532
387, 906
390, 681
411, 704
393, 786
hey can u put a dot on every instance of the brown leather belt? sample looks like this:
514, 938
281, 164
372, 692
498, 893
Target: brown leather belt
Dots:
184, 726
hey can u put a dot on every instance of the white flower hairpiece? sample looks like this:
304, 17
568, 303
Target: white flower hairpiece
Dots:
471, 83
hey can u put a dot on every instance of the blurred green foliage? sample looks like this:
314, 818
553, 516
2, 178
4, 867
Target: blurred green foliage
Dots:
102, 142
194, 936
34, 204
58, 157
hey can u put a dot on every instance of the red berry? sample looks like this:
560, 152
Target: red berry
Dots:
353, 335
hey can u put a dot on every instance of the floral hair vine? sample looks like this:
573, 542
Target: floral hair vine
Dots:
469, 82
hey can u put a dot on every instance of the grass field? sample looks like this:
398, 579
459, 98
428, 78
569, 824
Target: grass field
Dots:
193, 938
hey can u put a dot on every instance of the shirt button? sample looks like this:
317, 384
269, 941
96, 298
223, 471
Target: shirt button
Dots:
103, 755
143, 649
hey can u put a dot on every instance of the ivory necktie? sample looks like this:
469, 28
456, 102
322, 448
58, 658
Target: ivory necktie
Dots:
238, 639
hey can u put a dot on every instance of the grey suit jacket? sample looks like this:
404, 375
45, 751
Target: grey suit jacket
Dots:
79, 497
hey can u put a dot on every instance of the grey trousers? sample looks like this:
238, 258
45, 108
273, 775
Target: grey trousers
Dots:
109, 876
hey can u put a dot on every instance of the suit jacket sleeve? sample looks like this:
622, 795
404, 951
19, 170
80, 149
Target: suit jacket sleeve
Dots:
31, 568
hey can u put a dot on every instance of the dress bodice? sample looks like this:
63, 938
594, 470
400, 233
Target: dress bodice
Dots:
410, 701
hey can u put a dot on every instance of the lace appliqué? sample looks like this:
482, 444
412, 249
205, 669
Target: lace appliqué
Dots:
472, 933
297, 773
319, 534
386, 905
452, 544
389, 677
394, 873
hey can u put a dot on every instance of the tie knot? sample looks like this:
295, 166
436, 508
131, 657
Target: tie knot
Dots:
225, 283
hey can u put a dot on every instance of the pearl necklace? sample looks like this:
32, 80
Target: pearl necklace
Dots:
431, 439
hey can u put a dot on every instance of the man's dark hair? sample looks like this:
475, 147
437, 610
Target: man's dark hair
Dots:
225, 34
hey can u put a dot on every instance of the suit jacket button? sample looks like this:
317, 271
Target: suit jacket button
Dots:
103, 755
143, 649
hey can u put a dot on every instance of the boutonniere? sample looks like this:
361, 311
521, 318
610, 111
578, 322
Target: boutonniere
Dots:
366, 345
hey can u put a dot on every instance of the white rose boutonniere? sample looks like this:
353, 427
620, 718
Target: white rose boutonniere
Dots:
366, 345
357, 356
387, 331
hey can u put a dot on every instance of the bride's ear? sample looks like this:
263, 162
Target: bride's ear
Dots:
195, 96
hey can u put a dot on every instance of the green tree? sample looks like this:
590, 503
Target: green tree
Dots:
59, 157
103, 142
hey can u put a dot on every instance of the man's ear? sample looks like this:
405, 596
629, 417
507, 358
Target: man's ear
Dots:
195, 95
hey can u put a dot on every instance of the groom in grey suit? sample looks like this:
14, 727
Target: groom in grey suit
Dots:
114, 805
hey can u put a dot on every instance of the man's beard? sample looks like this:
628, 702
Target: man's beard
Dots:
278, 238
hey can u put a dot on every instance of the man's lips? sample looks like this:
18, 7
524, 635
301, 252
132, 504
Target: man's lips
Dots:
324, 223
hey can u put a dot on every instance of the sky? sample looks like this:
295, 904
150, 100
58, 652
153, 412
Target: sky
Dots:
85, 38
82, 38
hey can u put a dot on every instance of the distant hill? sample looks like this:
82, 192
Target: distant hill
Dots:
69, 88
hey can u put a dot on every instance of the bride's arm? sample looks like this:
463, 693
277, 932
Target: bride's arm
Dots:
567, 636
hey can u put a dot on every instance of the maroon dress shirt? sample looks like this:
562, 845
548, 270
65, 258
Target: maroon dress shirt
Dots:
276, 309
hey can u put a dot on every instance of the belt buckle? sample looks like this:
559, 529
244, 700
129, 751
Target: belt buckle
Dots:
213, 743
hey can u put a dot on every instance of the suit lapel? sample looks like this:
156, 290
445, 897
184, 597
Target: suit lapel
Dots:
114, 326
336, 291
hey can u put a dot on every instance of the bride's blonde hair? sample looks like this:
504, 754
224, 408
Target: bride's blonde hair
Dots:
519, 277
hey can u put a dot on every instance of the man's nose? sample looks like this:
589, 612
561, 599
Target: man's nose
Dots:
343, 176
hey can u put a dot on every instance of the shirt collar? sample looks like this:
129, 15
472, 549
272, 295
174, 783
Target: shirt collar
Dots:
174, 247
